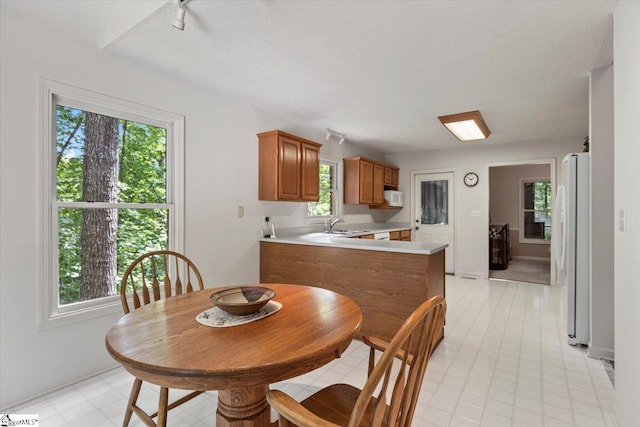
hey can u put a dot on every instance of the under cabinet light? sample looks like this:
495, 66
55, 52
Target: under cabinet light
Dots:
468, 126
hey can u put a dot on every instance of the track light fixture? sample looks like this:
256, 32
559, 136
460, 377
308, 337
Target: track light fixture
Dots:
178, 21
331, 133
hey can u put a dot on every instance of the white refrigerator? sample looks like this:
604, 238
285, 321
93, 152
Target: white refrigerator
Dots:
572, 252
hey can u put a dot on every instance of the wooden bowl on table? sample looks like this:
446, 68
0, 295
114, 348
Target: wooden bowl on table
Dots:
242, 300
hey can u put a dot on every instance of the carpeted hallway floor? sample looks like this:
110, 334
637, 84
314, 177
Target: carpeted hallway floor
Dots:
522, 270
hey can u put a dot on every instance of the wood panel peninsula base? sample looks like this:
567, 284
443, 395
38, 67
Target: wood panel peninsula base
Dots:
388, 286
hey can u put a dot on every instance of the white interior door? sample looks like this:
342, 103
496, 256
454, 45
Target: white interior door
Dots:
433, 216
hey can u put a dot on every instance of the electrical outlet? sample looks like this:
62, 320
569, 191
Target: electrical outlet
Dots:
240, 211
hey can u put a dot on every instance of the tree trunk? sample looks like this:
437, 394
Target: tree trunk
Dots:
98, 277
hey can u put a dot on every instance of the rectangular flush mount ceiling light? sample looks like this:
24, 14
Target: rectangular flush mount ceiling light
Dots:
467, 126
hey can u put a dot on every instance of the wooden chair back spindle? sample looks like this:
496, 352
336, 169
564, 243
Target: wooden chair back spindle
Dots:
156, 275
391, 392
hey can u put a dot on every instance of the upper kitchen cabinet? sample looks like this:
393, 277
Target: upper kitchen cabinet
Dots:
391, 177
378, 184
289, 167
358, 181
365, 181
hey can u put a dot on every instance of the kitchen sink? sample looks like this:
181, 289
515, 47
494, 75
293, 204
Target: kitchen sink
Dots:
329, 235
347, 231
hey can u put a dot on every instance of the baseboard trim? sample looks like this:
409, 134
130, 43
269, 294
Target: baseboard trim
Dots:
467, 275
601, 353
532, 258
41, 394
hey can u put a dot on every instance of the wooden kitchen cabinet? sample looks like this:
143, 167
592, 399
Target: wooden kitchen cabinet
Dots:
391, 177
387, 285
377, 196
365, 181
289, 167
310, 173
358, 181
403, 235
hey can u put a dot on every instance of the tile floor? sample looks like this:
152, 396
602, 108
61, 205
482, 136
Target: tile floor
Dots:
505, 362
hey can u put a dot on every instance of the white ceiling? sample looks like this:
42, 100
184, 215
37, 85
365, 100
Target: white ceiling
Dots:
378, 71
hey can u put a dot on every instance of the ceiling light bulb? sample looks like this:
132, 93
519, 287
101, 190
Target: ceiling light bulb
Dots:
178, 22
341, 139
466, 130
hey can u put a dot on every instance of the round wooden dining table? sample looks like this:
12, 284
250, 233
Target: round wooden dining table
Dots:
163, 343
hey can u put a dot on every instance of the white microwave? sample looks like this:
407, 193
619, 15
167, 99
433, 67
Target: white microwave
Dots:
394, 198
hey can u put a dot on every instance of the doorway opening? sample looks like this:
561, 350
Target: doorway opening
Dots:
520, 226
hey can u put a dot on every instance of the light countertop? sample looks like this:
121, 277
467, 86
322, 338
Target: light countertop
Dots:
351, 241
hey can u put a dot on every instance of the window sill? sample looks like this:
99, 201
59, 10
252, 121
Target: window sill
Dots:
534, 241
82, 314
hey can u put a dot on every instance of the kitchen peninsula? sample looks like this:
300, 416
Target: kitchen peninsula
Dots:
388, 279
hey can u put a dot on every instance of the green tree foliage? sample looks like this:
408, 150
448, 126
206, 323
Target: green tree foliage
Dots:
323, 206
537, 205
141, 180
543, 206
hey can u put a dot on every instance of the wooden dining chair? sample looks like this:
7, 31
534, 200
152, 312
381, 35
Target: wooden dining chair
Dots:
391, 391
151, 277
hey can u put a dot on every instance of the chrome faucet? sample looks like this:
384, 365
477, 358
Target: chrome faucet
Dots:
328, 226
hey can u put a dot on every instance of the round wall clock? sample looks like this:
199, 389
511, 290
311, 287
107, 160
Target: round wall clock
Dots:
471, 179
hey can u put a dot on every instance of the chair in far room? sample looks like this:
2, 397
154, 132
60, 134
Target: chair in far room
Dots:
389, 396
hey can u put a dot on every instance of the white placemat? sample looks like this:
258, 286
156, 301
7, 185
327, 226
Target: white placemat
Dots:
217, 318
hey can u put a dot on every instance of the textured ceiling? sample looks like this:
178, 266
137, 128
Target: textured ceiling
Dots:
378, 71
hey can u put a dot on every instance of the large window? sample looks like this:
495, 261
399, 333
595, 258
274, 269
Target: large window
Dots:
535, 214
111, 194
328, 204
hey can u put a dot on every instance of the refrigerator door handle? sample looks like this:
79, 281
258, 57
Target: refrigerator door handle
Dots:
559, 221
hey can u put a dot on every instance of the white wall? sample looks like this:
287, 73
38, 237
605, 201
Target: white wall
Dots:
471, 233
601, 112
627, 197
221, 173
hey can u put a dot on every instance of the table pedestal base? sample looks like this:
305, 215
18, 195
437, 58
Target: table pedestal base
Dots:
243, 407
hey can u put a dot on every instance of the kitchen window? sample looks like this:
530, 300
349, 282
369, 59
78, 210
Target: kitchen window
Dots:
112, 193
535, 212
328, 203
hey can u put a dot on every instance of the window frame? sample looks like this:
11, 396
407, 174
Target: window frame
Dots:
521, 211
52, 94
337, 205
